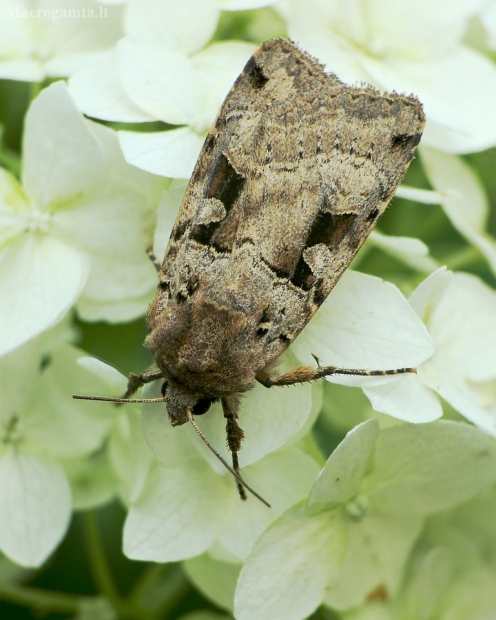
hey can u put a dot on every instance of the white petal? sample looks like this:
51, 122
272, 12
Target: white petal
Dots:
171, 22
423, 469
463, 199
448, 87
23, 69
170, 153
62, 159
106, 375
244, 5
405, 398
35, 507
336, 52
160, 81
40, 279
171, 445
290, 567
425, 196
423, 30
412, 252
130, 455
218, 66
283, 479
466, 339
166, 216
341, 477
119, 271
488, 19
378, 549
162, 525
365, 323
214, 579
98, 92
55, 421
461, 395
93, 482
119, 311
428, 293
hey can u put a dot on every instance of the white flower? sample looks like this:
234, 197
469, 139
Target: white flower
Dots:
78, 226
41, 38
152, 82
160, 72
462, 197
166, 494
408, 47
363, 516
366, 323
451, 574
41, 428
460, 314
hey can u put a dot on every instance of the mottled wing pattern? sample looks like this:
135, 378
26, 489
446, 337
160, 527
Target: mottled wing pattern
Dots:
293, 176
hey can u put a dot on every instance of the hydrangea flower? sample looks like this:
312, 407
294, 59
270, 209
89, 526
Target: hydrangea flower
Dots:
450, 575
415, 48
47, 38
165, 495
462, 197
163, 75
460, 314
362, 518
41, 428
367, 323
76, 228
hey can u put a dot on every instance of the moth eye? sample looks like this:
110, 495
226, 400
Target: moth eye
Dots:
202, 406
164, 389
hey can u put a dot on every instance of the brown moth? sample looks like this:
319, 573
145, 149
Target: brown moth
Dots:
292, 178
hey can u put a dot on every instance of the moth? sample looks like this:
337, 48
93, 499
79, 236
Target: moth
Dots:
292, 177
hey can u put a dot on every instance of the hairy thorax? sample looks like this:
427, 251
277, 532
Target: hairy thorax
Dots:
202, 348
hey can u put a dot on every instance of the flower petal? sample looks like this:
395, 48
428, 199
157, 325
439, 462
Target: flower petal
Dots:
173, 23
62, 159
98, 92
170, 153
162, 525
40, 279
35, 506
448, 87
405, 398
283, 479
411, 251
378, 549
215, 579
423, 469
365, 323
290, 567
160, 81
463, 199
341, 477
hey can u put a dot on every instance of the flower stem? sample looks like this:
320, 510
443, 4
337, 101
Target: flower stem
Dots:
42, 600
102, 574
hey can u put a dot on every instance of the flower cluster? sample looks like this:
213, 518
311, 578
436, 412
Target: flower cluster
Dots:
382, 499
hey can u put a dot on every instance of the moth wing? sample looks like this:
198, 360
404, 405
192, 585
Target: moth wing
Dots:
292, 178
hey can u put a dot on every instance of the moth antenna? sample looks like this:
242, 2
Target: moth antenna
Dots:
108, 399
238, 478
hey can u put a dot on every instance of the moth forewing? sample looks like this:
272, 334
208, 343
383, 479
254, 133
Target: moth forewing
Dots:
292, 177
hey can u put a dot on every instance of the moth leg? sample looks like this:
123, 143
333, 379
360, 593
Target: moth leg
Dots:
153, 258
134, 382
234, 434
302, 374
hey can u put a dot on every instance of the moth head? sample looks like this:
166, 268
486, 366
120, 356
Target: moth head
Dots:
179, 402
